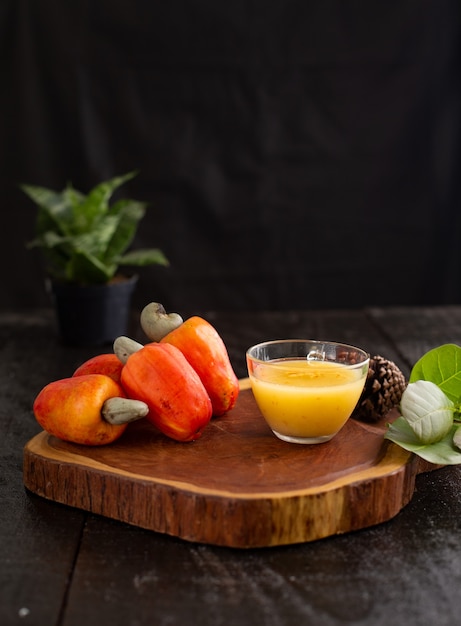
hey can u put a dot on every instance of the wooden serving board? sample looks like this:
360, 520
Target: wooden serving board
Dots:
237, 486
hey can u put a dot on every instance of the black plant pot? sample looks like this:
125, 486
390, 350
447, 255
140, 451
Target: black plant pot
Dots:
94, 315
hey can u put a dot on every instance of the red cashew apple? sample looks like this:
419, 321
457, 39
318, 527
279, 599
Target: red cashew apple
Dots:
159, 375
108, 364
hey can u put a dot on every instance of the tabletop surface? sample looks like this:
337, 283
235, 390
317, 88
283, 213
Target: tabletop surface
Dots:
61, 566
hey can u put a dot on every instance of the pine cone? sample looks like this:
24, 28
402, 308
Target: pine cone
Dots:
382, 392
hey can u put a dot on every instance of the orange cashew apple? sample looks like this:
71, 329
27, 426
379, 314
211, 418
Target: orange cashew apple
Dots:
86, 409
203, 348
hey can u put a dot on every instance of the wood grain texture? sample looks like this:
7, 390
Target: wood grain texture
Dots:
237, 486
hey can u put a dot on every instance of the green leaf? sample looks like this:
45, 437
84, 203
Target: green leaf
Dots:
128, 213
457, 437
55, 210
144, 257
53, 202
441, 453
441, 366
96, 203
85, 269
97, 241
428, 411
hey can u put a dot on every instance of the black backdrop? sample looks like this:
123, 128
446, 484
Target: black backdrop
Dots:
294, 153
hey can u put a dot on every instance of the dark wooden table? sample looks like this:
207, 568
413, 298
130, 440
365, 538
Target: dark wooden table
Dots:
64, 567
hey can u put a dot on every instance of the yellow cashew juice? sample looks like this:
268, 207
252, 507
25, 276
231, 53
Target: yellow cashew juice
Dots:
306, 401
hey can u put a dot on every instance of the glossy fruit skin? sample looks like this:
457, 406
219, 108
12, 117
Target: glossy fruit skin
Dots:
70, 409
159, 375
203, 347
108, 364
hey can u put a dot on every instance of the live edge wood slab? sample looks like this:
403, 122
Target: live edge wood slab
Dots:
237, 486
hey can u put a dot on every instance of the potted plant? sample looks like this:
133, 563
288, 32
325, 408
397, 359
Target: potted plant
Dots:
84, 240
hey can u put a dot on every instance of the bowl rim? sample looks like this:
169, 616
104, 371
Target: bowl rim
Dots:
320, 343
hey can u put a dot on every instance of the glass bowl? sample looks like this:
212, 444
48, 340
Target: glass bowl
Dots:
306, 390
